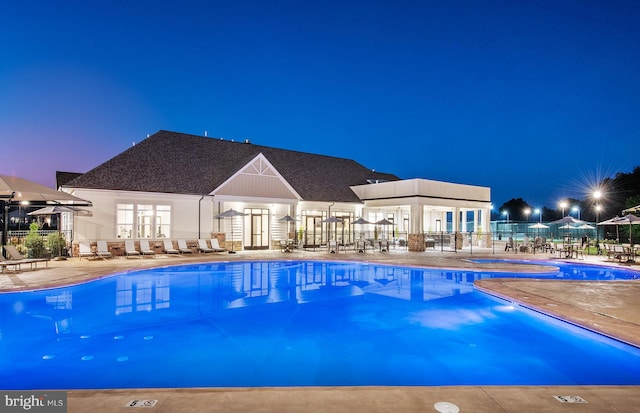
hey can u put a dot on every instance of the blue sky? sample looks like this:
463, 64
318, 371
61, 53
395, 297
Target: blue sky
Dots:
535, 99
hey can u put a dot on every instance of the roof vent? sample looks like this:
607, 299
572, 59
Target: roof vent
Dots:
247, 141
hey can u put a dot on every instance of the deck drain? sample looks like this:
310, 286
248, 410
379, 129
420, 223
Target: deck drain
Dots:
446, 407
142, 403
570, 399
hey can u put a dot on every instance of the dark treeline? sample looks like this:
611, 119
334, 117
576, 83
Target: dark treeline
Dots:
618, 193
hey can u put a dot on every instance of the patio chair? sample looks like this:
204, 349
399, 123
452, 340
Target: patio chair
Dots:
215, 245
102, 250
384, 245
361, 246
183, 248
203, 247
284, 246
510, 245
168, 247
145, 249
332, 246
85, 250
16, 256
130, 248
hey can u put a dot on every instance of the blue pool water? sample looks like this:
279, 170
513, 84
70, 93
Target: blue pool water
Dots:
298, 323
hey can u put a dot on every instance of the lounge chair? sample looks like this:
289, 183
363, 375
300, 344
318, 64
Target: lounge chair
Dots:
168, 247
145, 249
102, 250
85, 250
203, 247
215, 245
4, 263
183, 248
16, 256
130, 248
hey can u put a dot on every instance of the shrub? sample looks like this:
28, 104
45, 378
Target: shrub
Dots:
56, 243
34, 242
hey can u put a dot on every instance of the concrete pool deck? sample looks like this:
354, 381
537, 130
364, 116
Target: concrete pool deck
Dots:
612, 308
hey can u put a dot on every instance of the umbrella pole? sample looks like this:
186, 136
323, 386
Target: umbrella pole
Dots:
232, 250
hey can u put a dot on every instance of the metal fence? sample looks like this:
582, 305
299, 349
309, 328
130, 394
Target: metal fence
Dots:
17, 239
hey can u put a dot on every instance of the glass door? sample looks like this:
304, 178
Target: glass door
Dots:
256, 228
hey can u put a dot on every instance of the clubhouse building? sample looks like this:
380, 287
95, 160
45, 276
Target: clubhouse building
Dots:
180, 186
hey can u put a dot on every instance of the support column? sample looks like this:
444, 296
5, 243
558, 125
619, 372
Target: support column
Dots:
415, 241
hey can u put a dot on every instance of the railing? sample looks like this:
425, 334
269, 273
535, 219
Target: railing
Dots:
17, 238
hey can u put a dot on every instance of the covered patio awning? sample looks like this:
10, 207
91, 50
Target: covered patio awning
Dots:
16, 191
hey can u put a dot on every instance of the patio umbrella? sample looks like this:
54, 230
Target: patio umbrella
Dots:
538, 226
611, 221
385, 222
58, 209
567, 220
360, 221
331, 220
287, 219
627, 219
231, 213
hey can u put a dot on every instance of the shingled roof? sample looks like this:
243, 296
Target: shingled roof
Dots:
170, 162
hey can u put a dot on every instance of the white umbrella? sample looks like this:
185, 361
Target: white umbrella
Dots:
567, 220
230, 214
538, 226
586, 226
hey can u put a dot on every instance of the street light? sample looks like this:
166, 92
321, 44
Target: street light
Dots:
527, 211
563, 205
576, 209
539, 212
597, 194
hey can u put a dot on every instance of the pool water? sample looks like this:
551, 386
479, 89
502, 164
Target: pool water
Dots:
298, 323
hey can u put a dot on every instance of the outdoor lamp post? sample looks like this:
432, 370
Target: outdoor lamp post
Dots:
539, 212
597, 194
576, 209
527, 211
563, 205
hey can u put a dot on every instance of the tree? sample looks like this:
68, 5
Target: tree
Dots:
516, 209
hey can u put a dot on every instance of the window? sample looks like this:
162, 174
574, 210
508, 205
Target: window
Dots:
125, 221
149, 221
145, 221
163, 221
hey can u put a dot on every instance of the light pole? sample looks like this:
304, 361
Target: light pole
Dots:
597, 194
563, 205
527, 211
576, 209
539, 212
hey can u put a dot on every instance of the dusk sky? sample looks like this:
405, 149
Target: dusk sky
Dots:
534, 99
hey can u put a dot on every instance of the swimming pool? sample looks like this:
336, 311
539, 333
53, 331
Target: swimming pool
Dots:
298, 323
